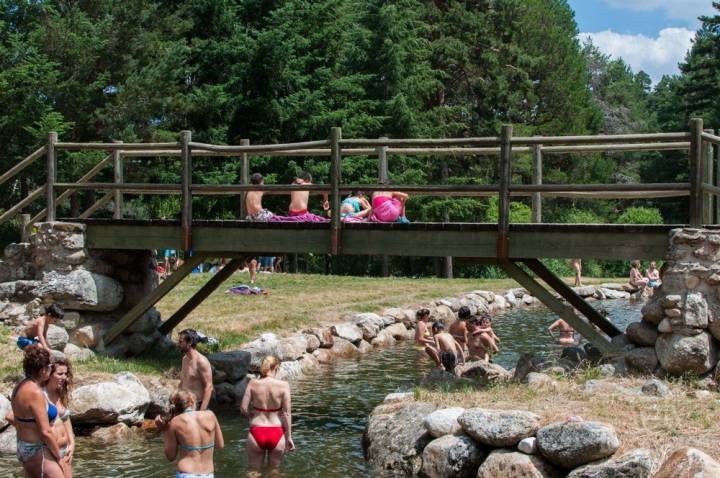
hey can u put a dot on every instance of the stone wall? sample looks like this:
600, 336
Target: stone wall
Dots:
95, 287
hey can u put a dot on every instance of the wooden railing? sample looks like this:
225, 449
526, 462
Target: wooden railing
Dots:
702, 188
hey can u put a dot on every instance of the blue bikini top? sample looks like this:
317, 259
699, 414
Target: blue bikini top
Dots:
52, 411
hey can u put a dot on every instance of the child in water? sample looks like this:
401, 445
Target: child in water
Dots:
449, 349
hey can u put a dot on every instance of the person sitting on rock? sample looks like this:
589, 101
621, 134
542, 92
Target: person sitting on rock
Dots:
567, 333
36, 330
653, 275
458, 329
423, 337
636, 278
451, 352
482, 341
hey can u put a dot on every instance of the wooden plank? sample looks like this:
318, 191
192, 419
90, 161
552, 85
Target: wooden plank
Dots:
107, 197
130, 188
151, 299
589, 245
384, 180
565, 312
25, 226
260, 148
600, 187
17, 208
335, 178
569, 295
51, 176
114, 146
601, 138
710, 136
22, 164
537, 180
210, 286
244, 176
118, 178
186, 213
491, 140
505, 178
696, 172
607, 148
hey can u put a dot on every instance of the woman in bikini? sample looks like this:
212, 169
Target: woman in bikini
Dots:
567, 333
423, 337
193, 435
58, 390
33, 416
266, 403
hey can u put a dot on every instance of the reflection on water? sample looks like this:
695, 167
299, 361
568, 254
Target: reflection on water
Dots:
330, 409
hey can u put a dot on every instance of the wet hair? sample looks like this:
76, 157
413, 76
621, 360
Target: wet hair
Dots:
635, 263
180, 401
191, 336
54, 310
256, 178
269, 363
473, 321
356, 194
437, 326
35, 358
464, 312
422, 313
483, 317
305, 176
64, 392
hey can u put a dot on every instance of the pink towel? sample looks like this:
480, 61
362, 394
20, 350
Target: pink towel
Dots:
307, 217
388, 211
352, 219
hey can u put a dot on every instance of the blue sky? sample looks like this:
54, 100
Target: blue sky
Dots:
650, 35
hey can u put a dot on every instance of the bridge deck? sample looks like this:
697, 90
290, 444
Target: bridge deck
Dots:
598, 241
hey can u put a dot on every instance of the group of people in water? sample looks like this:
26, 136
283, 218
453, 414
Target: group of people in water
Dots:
385, 206
470, 337
40, 411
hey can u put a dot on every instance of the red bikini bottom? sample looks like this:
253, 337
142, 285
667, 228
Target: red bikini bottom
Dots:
267, 438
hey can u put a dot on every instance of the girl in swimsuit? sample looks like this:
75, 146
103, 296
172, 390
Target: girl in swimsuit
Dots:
193, 435
33, 415
423, 337
266, 403
58, 391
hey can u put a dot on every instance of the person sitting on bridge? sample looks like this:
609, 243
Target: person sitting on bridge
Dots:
389, 206
253, 201
451, 352
653, 275
298, 209
355, 207
636, 278
567, 333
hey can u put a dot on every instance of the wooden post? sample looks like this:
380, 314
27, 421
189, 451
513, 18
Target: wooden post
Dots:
505, 173
25, 227
708, 173
447, 261
716, 161
537, 179
51, 176
118, 175
696, 172
335, 177
383, 179
244, 177
186, 219
293, 263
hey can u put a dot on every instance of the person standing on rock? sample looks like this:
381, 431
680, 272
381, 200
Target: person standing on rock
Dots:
266, 403
33, 416
196, 374
193, 435
36, 330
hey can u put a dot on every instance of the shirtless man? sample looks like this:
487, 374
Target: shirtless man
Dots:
196, 375
449, 349
299, 201
459, 329
423, 337
567, 333
253, 201
36, 330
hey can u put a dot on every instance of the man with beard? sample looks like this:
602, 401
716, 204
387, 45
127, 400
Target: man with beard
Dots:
196, 374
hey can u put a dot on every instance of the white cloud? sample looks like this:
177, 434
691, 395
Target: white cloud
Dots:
656, 56
687, 10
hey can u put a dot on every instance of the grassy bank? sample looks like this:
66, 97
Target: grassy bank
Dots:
659, 424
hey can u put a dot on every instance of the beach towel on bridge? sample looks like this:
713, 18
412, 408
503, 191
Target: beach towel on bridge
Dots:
386, 209
299, 216
243, 289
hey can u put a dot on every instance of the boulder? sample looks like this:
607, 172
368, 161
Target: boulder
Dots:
688, 463
348, 332
571, 444
655, 388
234, 364
653, 311
641, 360
57, 337
114, 433
77, 354
313, 343
383, 339
498, 428
680, 354
665, 326
364, 347
395, 437
4, 409
289, 371
634, 464
444, 314
160, 393
398, 331
324, 355
324, 335
309, 363
266, 344
603, 293
291, 348
501, 302
440, 379
369, 324
642, 333
509, 299
140, 342
225, 393
537, 381
87, 336
452, 456
81, 290
585, 290
443, 422
505, 463
695, 315
125, 399
70, 321
528, 445
621, 343
8, 441
239, 388
147, 323
398, 397
527, 362
344, 348
483, 372
608, 387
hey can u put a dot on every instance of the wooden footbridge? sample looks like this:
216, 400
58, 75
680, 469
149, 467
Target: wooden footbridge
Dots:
508, 245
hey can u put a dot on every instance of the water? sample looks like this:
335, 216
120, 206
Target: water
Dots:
330, 409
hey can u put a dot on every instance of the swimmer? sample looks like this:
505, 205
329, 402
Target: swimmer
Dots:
451, 352
423, 337
567, 333
459, 329
484, 338
195, 373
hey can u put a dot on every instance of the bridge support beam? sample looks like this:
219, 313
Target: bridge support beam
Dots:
566, 313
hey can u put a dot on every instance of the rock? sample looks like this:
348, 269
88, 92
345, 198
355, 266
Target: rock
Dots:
498, 428
528, 445
81, 290
443, 422
603, 293
621, 343
398, 397
324, 335
696, 311
309, 363
235, 364
125, 399
57, 337
225, 393
576, 355
266, 344
688, 463
452, 456
680, 354
369, 325
483, 372
364, 347
571, 444
77, 354
652, 312
437, 378
665, 326
289, 371
510, 464
87, 336
444, 314
634, 464
324, 355
527, 362
398, 331
642, 360
160, 394
291, 348
606, 370
537, 381
8, 441
510, 299
70, 321
673, 313
240, 387
313, 343
672, 301
139, 342
5, 408
585, 290
147, 323
115, 433
348, 332
642, 333
344, 348
527, 299
656, 388
383, 339
395, 437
